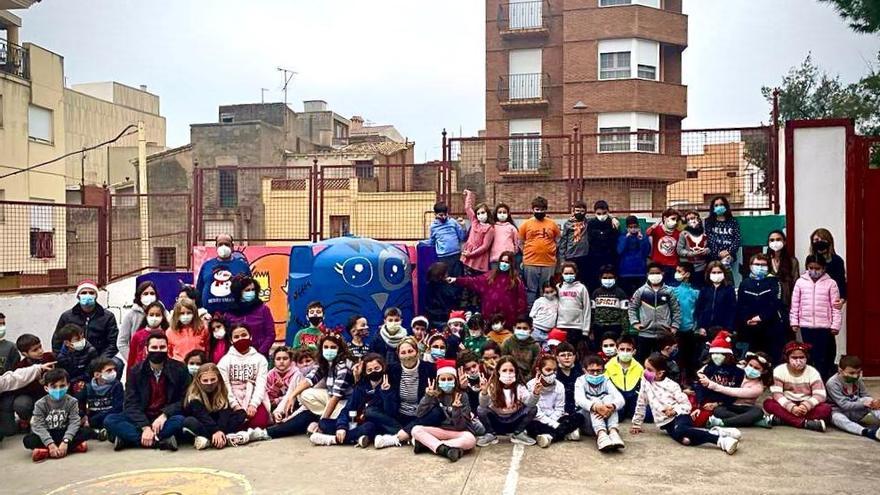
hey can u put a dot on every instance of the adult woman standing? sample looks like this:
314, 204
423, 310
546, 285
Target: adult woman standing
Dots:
724, 236
249, 310
144, 295
501, 290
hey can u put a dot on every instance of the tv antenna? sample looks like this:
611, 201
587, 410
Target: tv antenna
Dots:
288, 75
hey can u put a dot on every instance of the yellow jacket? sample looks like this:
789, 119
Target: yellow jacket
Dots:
624, 382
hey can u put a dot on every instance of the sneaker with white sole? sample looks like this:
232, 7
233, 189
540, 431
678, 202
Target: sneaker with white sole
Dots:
603, 441
815, 425
486, 440
574, 436
544, 440
313, 427
363, 441
238, 439
382, 441
726, 432
322, 439
616, 441
258, 434
201, 443
728, 444
522, 438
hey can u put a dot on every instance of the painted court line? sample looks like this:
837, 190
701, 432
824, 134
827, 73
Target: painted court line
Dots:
513, 472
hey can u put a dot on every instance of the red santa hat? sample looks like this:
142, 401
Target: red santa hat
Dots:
556, 337
457, 317
86, 284
722, 344
445, 366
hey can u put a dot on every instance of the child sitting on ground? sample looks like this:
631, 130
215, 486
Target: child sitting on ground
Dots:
499, 331
671, 410
797, 394
104, 395
32, 353
600, 400
75, 356
626, 374
55, 430
452, 437
722, 370
279, 377
852, 409
743, 412
551, 423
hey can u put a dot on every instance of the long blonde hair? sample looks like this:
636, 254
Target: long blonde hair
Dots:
213, 401
188, 303
826, 236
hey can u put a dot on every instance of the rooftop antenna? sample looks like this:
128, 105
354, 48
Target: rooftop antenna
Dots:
263, 94
288, 75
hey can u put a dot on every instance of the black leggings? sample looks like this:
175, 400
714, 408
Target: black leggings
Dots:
296, 425
231, 423
32, 441
739, 415
505, 425
567, 424
682, 430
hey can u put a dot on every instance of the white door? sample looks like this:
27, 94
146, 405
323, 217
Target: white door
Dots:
524, 152
525, 74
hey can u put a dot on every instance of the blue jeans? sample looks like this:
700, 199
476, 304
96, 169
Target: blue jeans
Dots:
389, 425
682, 428
535, 277
296, 425
118, 424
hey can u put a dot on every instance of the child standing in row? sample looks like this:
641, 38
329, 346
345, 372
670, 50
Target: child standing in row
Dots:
633, 248
610, 312
689, 339
186, 332
813, 312
574, 306
154, 321
652, 310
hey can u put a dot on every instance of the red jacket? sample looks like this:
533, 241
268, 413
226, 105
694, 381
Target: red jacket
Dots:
664, 245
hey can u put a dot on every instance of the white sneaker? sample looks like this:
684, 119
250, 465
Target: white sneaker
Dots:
574, 436
201, 443
544, 440
383, 441
616, 441
238, 438
363, 441
603, 441
726, 432
313, 427
258, 434
728, 444
322, 439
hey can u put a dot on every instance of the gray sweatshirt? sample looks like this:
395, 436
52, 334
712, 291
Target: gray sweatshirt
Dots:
850, 399
50, 414
586, 395
656, 310
574, 306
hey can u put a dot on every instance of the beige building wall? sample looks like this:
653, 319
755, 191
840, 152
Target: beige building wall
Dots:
719, 171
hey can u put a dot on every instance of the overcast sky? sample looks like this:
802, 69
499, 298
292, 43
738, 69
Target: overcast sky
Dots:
416, 64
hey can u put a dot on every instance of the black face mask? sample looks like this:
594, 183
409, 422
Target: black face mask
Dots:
577, 216
443, 219
157, 357
820, 245
375, 376
210, 388
540, 215
316, 320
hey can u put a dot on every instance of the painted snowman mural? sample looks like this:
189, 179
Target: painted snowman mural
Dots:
349, 276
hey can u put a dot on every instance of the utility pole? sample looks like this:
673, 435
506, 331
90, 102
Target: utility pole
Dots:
263, 94
288, 75
143, 205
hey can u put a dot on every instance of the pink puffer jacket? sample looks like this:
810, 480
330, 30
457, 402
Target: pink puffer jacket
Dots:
811, 303
479, 240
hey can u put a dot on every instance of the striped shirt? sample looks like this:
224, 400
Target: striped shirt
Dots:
339, 381
789, 390
409, 391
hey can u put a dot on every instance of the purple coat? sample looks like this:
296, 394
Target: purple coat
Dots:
262, 325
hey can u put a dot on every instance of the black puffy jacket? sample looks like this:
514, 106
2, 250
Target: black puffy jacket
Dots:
99, 325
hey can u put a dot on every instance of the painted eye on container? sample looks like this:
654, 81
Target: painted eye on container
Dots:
357, 272
394, 269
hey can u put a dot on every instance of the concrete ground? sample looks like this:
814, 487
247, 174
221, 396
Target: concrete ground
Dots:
782, 460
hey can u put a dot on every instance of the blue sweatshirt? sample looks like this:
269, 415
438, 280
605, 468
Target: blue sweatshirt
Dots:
215, 282
633, 254
727, 375
687, 303
723, 236
366, 397
446, 237
716, 307
100, 404
759, 297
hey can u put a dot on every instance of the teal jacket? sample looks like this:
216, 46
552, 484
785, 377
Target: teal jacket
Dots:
687, 301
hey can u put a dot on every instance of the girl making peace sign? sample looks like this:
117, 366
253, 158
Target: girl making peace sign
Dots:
453, 437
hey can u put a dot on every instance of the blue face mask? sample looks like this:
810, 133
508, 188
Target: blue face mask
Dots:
752, 373
57, 393
521, 334
719, 210
568, 278
438, 353
504, 266
759, 271
446, 387
87, 300
329, 354
248, 296
595, 379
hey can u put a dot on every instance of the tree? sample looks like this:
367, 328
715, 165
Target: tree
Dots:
863, 15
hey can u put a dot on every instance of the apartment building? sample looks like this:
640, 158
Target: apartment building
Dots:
612, 68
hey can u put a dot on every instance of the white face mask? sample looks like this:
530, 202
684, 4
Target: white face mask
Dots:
693, 223
219, 333
154, 321
497, 326
186, 319
679, 277
224, 251
507, 377
147, 299
502, 217
79, 345
671, 223
602, 218
776, 245
655, 278
609, 350
482, 217
716, 278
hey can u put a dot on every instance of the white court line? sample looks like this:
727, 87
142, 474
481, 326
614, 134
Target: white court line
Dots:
513, 472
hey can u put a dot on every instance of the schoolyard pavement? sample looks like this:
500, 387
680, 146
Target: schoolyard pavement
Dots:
782, 460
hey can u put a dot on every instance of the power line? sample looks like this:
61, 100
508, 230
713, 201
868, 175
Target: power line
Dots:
90, 148
56, 174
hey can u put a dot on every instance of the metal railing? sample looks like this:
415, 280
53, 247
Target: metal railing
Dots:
14, 59
523, 88
524, 16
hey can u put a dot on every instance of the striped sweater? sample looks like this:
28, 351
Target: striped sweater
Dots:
790, 390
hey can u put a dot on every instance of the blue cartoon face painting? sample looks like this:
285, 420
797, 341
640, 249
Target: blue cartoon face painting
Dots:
349, 275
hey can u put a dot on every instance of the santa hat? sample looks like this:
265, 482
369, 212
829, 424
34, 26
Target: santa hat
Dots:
796, 346
419, 319
556, 337
722, 344
445, 366
203, 313
86, 284
457, 317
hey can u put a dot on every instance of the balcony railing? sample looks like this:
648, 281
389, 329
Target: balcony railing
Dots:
14, 60
523, 155
519, 90
524, 17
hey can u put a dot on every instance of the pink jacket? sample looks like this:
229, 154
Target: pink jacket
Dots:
506, 239
479, 241
746, 395
811, 303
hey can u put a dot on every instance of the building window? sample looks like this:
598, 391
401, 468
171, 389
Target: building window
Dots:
641, 200
647, 72
42, 232
646, 140
628, 132
227, 118
524, 79
612, 140
524, 152
166, 258
340, 225
615, 65
364, 169
615, 3
525, 14
40, 124
692, 174
228, 188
